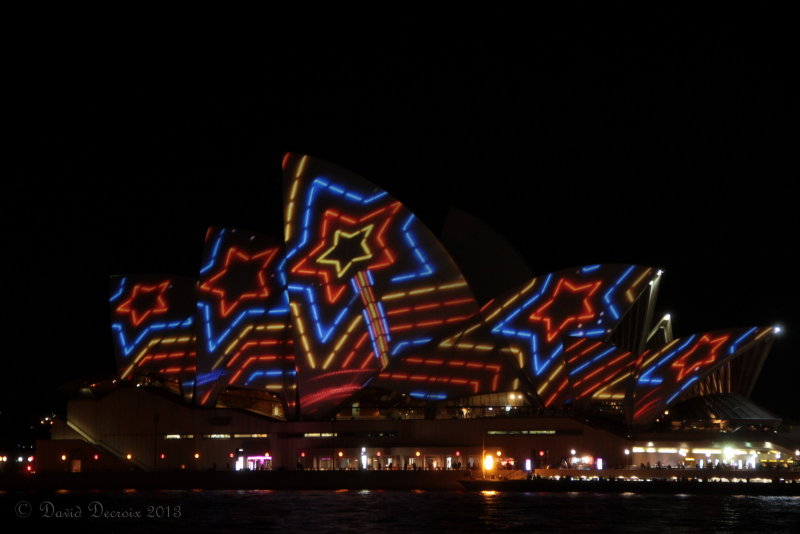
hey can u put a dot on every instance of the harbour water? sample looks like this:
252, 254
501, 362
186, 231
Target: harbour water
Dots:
224, 511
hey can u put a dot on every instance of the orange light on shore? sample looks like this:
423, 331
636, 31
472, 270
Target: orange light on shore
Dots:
129, 456
63, 457
417, 453
488, 462
341, 454
196, 455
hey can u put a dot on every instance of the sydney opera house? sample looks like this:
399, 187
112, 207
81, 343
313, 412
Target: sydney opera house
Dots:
358, 342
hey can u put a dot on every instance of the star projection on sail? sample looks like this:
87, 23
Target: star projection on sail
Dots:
366, 281
152, 321
242, 314
360, 296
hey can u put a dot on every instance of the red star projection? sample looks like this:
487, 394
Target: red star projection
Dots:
703, 353
250, 286
145, 300
348, 245
569, 308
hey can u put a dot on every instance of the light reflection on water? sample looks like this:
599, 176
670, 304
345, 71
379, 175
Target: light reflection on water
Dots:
412, 511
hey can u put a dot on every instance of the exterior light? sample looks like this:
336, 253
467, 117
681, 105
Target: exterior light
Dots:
196, 455
777, 329
458, 453
163, 455
30, 458
63, 457
667, 317
19, 459
488, 462
378, 453
129, 456
231, 455
796, 453
341, 454
416, 453
627, 452
303, 454
96, 456
572, 452
499, 453
660, 272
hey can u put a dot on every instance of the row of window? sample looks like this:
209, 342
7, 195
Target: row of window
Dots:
383, 434
216, 436
561, 432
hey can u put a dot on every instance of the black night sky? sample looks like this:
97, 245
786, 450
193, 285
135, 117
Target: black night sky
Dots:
585, 136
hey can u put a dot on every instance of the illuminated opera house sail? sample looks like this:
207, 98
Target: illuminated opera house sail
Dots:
360, 303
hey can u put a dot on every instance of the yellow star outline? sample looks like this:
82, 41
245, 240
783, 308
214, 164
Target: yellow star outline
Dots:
340, 271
